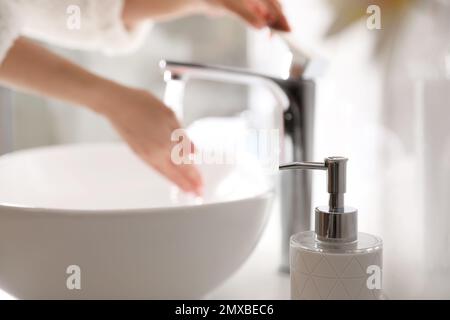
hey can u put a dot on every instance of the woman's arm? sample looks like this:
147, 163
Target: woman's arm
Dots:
32, 68
135, 11
142, 120
258, 13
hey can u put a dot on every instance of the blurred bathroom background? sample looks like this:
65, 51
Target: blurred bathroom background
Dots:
387, 111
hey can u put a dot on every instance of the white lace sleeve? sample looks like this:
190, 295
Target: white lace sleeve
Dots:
10, 26
100, 24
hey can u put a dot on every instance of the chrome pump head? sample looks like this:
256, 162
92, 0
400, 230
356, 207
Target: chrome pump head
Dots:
335, 222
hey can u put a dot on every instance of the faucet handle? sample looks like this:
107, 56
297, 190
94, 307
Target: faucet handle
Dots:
336, 168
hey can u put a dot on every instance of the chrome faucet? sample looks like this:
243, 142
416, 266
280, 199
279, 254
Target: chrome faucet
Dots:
296, 96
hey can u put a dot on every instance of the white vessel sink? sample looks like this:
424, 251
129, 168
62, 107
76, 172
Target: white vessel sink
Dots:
132, 234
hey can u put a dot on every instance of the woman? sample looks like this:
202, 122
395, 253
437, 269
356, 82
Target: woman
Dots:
143, 121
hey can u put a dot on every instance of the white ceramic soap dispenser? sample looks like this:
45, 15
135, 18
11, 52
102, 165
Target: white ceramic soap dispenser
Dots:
334, 261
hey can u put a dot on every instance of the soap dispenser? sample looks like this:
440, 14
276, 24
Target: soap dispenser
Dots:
334, 261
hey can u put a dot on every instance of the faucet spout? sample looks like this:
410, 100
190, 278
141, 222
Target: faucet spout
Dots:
185, 71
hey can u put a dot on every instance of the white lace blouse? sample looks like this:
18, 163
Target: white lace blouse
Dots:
78, 24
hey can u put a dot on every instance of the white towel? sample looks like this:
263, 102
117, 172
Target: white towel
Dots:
101, 26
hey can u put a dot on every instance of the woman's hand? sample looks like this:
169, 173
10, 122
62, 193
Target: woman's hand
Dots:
258, 13
146, 124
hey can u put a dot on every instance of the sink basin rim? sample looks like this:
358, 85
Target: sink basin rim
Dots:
265, 192
135, 211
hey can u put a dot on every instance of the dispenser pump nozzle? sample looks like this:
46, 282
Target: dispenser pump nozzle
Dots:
336, 168
335, 222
